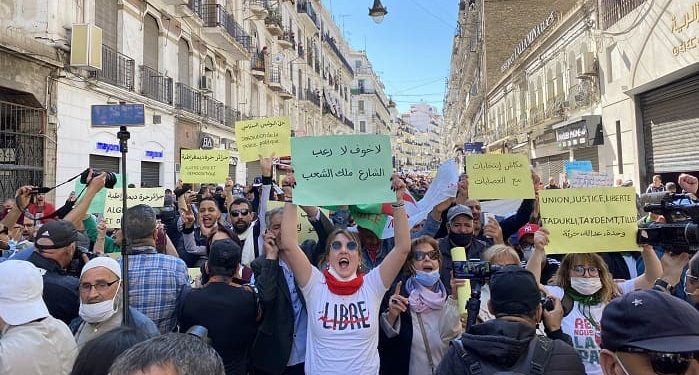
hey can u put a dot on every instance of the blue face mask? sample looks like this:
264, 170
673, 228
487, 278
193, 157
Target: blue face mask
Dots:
427, 279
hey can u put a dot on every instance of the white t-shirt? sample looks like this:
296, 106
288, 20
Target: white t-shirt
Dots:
586, 338
343, 331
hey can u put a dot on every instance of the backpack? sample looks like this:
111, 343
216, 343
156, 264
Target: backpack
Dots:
534, 364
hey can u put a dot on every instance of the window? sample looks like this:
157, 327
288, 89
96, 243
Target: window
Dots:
150, 42
184, 68
360, 107
362, 126
209, 72
229, 89
106, 18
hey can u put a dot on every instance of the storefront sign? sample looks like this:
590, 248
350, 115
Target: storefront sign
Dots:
572, 135
207, 143
681, 25
154, 154
106, 147
528, 40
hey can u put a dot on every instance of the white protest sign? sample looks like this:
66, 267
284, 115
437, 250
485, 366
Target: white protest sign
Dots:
583, 179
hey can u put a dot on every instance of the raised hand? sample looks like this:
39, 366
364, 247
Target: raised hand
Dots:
397, 304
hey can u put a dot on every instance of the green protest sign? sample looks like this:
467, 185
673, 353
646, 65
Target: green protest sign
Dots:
342, 169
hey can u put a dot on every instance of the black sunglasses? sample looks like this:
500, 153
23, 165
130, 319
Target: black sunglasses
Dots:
337, 245
421, 255
667, 363
236, 213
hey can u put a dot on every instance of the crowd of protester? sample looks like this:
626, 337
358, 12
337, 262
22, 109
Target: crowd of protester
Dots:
265, 303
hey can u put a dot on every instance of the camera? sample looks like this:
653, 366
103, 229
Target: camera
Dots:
108, 183
680, 232
40, 190
547, 303
77, 263
472, 269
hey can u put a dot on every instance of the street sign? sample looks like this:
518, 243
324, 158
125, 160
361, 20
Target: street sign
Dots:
118, 115
473, 147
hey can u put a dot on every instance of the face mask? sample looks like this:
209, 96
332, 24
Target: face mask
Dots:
527, 251
586, 286
98, 312
460, 239
427, 279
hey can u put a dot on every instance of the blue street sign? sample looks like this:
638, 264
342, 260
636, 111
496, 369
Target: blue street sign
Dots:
118, 115
473, 147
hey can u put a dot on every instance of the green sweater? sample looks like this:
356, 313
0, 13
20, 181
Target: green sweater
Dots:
91, 231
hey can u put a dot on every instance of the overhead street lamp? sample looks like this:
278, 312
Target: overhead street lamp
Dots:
378, 11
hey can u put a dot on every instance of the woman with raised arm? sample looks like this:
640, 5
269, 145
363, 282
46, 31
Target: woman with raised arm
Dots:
343, 303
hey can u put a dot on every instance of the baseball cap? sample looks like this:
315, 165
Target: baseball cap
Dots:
627, 183
527, 229
457, 210
225, 253
105, 262
650, 320
21, 287
514, 290
56, 234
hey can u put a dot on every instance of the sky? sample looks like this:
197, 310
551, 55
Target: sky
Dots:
410, 49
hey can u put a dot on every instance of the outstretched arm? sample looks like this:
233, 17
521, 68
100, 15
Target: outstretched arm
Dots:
293, 255
393, 263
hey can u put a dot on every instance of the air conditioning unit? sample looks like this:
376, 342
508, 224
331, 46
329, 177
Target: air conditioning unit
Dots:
586, 65
86, 46
205, 83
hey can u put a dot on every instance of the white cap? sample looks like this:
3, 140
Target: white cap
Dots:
105, 262
21, 287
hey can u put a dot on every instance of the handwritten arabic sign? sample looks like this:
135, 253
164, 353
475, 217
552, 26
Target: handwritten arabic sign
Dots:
589, 220
304, 227
154, 197
590, 179
343, 169
263, 137
204, 166
499, 176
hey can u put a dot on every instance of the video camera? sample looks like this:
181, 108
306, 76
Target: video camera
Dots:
680, 232
108, 183
77, 263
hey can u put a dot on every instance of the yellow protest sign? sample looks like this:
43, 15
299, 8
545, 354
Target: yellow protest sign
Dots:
204, 166
499, 176
194, 277
154, 197
304, 228
264, 136
589, 220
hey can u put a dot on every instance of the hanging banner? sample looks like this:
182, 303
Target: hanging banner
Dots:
154, 197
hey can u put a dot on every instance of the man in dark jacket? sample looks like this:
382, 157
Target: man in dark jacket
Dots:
460, 227
280, 345
509, 343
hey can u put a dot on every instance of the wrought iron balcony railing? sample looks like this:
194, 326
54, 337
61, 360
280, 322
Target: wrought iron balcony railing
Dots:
214, 15
187, 98
117, 69
156, 85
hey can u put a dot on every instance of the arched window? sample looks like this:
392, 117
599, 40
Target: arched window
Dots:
209, 71
151, 50
184, 66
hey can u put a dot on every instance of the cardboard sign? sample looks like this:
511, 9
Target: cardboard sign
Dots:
265, 136
154, 197
304, 228
343, 169
499, 176
589, 220
582, 179
204, 166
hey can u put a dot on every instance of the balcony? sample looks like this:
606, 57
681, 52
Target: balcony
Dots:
220, 27
193, 11
311, 96
287, 40
257, 65
333, 46
175, 2
117, 69
155, 85
231, 116
304, 6
536, 115
258, 8
611, 11
582, 95
213, 110
273, 22
348, 122
187, 99
274, 79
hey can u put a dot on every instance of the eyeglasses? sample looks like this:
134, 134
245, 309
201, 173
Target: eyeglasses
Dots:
337, 245
99, 286
421, 255
236, 213
580, 270
667, 363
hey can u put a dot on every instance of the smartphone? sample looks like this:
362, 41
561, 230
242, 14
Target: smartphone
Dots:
487, 216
